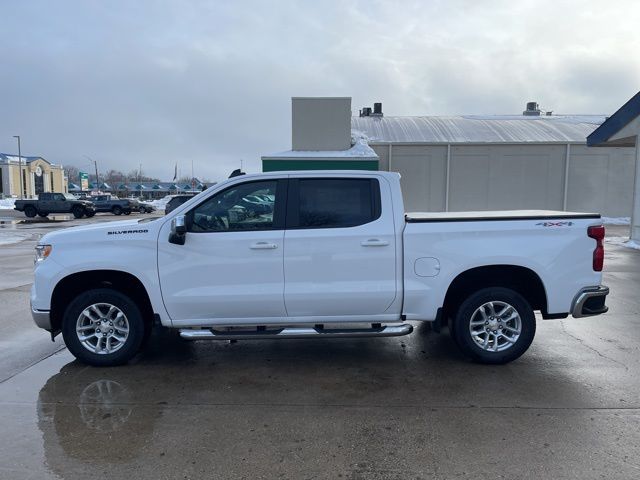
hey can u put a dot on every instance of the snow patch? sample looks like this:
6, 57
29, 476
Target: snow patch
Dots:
7, 203
616, 220
360, 149
622, 242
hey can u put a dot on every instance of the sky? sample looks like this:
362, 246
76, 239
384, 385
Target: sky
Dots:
155, 83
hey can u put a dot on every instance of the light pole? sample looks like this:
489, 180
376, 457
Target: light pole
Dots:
96, 165
20, 168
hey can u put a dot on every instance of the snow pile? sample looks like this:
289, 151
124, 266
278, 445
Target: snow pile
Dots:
622, 242
7, 203
616, 220
360, 149
8, 237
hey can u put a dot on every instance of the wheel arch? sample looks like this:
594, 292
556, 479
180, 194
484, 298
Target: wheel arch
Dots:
518, 278
74, 284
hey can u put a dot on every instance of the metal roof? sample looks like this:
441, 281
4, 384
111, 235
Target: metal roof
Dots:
478, 129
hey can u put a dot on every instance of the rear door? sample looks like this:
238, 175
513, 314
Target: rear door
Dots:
340, 248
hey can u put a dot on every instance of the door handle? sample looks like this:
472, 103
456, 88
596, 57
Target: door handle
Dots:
374, 242
263, 246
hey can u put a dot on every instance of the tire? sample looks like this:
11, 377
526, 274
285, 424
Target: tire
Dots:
504, 324
90, 214
42, 214
30, 211
116, 210
94, 350
142, 210
77, 211
127, 212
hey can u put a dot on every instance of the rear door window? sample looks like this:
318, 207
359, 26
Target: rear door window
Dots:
332, 202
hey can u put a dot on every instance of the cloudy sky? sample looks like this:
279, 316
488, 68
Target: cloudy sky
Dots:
155, 82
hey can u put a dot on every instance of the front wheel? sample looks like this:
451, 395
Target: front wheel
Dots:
30, 211
77, 211
103, 327
494, 325
116, 210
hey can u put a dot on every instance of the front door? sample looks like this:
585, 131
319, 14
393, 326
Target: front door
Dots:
340, 252
230, 268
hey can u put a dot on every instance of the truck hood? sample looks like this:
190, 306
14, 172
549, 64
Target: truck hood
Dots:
105, 231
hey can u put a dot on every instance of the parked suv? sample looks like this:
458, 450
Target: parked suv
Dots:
108, 203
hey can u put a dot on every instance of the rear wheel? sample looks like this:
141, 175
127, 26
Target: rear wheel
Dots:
30, 211
103, 327
142, 210
494, 325
78, 211
117, 210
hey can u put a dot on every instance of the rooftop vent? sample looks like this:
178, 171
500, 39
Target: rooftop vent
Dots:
376, 112
532, 109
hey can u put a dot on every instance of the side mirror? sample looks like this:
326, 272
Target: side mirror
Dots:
178, 233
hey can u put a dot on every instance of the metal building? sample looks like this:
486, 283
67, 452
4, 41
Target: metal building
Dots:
528, 161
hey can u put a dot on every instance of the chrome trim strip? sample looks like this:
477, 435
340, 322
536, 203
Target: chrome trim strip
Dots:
584, 295
297, 332
42, 318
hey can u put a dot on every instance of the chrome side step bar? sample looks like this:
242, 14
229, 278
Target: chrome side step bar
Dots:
296, 332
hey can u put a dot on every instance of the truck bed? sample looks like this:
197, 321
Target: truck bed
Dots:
423, 217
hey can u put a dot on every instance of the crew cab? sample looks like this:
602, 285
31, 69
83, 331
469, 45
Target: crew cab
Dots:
55, 203
317, 254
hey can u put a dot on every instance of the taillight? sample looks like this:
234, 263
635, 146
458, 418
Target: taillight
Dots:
597, 233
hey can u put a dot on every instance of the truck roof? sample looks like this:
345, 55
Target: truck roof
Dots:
418, 217
322, 173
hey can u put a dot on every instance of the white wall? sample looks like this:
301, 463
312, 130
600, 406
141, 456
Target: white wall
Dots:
508, 177
601, 180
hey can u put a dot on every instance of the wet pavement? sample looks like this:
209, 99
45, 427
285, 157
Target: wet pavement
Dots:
395, 408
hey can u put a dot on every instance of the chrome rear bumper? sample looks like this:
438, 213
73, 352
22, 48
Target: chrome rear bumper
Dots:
590, 301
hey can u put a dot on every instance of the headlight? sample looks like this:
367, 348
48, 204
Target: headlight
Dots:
42, 252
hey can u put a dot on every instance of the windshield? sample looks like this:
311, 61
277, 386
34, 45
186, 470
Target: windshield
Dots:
68, 196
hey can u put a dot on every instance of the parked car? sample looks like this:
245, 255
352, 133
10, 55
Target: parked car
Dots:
55, 203
334, 255
176, 201
115, 205
146, 207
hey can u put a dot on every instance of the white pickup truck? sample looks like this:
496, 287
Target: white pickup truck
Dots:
316, 254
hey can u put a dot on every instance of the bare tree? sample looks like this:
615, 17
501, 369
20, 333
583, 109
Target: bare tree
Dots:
72, 173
